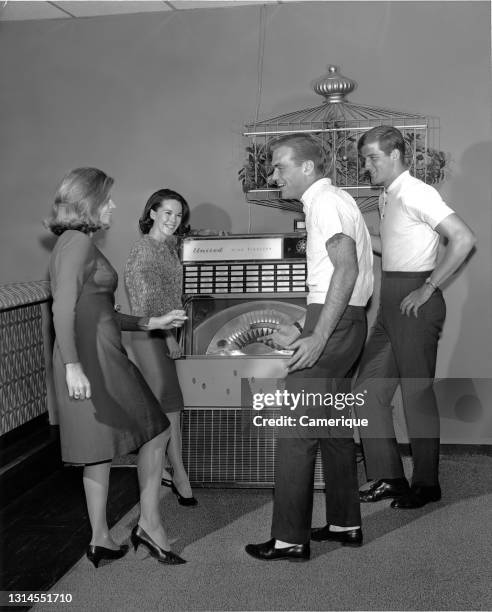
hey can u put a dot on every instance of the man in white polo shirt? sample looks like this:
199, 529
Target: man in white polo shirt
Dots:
402, 346
326, 345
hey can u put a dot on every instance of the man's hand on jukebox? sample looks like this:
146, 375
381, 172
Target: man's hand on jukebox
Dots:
282, 336
307, 351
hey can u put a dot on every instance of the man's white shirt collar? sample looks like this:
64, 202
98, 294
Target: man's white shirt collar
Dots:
383, 198
396, 183
312, 191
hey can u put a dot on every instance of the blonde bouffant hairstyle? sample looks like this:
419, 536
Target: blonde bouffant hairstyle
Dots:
78, 201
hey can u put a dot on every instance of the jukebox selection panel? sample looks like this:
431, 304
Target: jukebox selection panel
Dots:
258, 277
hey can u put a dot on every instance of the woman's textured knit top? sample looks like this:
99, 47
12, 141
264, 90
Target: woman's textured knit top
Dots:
153, 277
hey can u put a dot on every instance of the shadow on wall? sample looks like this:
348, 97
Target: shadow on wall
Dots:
463, 410
475, 322
462, 401
48, 241
210, 216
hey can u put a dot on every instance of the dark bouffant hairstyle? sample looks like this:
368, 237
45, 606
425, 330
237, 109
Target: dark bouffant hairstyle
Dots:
388, 138
78, 201
155, 202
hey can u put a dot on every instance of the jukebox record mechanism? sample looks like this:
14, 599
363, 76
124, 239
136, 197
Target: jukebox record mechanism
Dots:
241, 335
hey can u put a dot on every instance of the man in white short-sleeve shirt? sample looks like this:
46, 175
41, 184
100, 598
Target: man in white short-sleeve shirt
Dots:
402, 346
328, 211
327, 344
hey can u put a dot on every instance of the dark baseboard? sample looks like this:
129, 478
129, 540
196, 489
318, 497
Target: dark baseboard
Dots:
28, 454
46, 530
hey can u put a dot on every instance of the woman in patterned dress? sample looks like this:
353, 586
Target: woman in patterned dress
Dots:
105, 406
153, 279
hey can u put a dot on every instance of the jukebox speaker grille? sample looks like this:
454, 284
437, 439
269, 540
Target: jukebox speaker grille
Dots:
216, 450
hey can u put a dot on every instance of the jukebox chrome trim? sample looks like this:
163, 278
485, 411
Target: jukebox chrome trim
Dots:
235, 326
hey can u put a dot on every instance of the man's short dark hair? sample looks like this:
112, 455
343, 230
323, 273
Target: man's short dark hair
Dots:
305, 147
388, 137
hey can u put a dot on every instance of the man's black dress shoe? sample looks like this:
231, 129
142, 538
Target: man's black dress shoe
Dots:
417, 497
385, 489
268, 552
352, 537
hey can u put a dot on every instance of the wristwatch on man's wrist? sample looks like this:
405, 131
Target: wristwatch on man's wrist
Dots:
429, 282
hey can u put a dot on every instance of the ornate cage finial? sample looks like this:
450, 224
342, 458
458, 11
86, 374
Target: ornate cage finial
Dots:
333, 86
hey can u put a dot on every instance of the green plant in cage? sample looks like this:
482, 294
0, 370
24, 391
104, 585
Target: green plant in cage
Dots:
254, 173
425, 163
348, 170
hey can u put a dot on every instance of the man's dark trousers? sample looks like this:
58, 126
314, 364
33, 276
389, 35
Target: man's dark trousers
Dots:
295, 455
402, 350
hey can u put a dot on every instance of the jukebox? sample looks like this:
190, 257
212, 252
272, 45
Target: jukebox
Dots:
236, 290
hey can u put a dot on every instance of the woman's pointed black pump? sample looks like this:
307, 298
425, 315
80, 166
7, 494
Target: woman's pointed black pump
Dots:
140, 536
184, 501
95, 554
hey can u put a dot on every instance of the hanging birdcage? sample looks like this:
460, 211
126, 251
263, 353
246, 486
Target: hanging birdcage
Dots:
338, 124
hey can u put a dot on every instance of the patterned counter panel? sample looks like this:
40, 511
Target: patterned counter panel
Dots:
23, 390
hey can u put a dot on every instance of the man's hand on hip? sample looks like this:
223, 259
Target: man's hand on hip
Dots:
415, 300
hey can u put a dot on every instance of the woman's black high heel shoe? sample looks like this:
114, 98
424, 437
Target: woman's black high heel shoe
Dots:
139, 536
98, 553
184, 501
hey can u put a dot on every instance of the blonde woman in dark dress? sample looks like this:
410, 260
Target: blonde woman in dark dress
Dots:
153, 279
105, 406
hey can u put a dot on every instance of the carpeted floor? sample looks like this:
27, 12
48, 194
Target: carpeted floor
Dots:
434, 558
